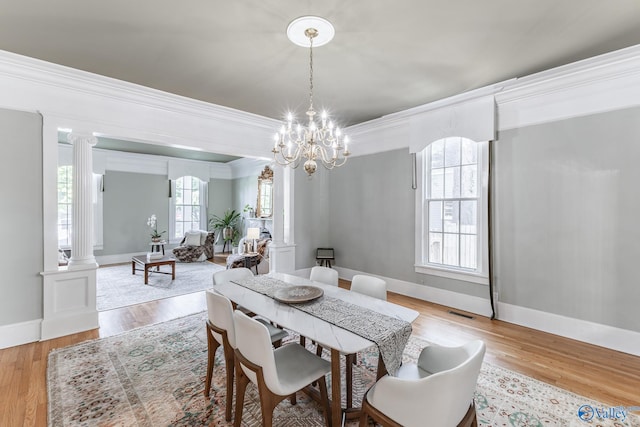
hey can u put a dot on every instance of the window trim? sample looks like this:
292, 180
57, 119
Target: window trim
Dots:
204, 192
479, 276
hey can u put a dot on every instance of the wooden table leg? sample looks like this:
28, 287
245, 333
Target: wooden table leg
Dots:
349, 361
146, 275
133, 267
173, 271
336, 392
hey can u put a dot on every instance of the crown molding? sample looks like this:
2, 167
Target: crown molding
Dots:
603, 83
42, 72
247, 166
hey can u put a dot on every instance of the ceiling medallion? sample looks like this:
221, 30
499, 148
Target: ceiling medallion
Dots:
317, 140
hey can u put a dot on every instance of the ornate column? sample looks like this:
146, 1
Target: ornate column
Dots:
82, 226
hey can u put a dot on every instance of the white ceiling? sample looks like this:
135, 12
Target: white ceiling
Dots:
386, 56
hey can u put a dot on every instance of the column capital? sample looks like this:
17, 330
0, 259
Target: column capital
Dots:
78, 137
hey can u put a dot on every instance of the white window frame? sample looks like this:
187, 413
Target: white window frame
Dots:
172, 209
481, 274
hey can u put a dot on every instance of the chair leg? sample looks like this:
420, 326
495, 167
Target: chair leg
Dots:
212, 346
322, 382
230, 367
241, 386
303, 341
292, 399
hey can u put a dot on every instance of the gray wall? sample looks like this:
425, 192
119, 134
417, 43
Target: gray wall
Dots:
129, 199
220, 196
21, 257
372, 225
567, 204
244, 191
313, 209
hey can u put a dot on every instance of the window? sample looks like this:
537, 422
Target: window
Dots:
453, 210
65, 208
189, 206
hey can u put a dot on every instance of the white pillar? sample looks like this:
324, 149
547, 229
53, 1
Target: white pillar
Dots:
282, 252
278, 204
82, 221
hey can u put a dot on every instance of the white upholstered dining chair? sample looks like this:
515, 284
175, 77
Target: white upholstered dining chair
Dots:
221, 331
324, 275
277, 374
439, 388
369, 285
224, 276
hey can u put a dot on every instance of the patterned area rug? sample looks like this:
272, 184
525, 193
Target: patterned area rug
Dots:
117, 287
154, 376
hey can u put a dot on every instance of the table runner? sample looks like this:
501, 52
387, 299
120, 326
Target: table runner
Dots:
390, 334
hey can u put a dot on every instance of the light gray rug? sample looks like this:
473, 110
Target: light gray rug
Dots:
117, 287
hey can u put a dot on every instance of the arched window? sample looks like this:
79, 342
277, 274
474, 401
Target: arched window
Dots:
189, 206
453, 210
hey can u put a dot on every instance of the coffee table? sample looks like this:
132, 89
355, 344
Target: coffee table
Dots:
147, 264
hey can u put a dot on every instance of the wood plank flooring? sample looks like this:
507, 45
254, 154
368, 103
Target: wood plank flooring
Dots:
610, 377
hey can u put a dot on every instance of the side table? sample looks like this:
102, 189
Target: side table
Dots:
158, 246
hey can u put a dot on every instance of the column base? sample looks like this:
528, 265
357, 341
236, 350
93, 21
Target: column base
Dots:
282, 258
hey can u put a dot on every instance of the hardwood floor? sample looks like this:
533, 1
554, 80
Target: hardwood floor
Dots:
610, 377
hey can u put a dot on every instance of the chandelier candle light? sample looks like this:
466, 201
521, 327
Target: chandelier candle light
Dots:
318, 140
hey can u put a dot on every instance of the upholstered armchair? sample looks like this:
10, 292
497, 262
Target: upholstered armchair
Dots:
197, 245
262, 260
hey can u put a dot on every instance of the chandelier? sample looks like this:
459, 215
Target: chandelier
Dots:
318, 139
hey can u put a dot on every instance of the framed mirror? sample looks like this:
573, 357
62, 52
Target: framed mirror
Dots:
265, 193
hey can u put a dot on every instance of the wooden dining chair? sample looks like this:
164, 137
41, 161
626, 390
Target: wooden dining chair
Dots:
278, 373
221, 331
325, 275
369, 285
438, 388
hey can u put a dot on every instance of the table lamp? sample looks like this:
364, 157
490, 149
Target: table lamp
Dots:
253, 234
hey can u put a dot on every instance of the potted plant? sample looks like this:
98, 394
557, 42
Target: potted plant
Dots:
226, 223
249, 210
152, 223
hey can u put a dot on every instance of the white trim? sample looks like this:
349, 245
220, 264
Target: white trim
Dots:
20, 333
582, 330
104, 260
241, 168
600, 84
451, 274
69, 301
593, 333
469, 303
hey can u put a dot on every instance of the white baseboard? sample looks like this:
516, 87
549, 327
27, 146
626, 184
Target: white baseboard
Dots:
116, 259
20, 333
472, 304
66, 325
598, 334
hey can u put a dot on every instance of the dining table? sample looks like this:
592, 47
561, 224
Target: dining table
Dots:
339, 320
